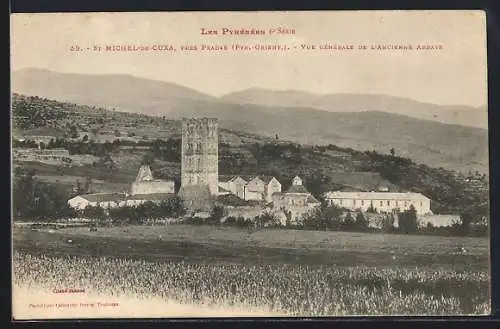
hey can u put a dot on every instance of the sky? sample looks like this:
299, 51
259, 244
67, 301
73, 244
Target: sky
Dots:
455, 74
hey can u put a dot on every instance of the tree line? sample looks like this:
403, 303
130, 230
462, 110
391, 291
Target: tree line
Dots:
135, 214
37, 200
34, 200
334, 218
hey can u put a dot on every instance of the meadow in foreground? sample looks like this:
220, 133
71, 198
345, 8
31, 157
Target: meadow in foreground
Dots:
292, 289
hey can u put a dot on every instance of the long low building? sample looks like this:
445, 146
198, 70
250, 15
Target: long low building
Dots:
380, 201
114, 200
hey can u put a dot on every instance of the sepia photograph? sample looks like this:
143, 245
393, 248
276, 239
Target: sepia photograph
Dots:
249, 164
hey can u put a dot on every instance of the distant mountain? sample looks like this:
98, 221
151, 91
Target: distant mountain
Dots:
451, 114
440, 145
125, 92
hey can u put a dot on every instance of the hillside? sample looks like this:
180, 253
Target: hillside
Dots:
123, 92
450, 114
113, 137
440, 145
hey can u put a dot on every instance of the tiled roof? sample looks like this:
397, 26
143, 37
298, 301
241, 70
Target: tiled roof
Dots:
376, 195
266, 179
154, 181
247, 177
151, 197
256, 178
226, 178
103, 197
118, 197
312, 199
297, 189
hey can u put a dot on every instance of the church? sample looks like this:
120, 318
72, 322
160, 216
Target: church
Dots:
143, 189
296, 200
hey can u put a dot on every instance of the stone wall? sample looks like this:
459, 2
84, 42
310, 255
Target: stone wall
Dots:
149, 187
246, 212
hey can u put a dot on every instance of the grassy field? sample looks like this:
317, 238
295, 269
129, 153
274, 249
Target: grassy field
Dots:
285, 271
208, 243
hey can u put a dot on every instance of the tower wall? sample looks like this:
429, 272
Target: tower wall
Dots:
200, 153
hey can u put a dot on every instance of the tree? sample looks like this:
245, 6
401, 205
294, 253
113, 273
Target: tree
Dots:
371, 209
393, 151
77, 189
217, 213
23, 193
388, 223
34, 200
267, 219
50, 144
466, 220
348, 223
87, 187
323, 218
408, 222
361, 223
94, 212
47, 201
148, 159
85, 138
156, 147
66, 211
107, 162
172, 207
73, 132
288, 215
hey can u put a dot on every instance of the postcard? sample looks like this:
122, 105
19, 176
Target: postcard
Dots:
249, 164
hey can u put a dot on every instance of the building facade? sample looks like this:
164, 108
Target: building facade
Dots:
146, 184
116, 200
234, 184
199, 153
254, 189
250, 188
380, 201
271, 186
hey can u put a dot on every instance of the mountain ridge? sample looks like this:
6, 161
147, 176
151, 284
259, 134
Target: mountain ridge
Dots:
23, 82
456, 147
349, 102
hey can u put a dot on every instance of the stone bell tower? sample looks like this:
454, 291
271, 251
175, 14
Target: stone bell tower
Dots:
200, 154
